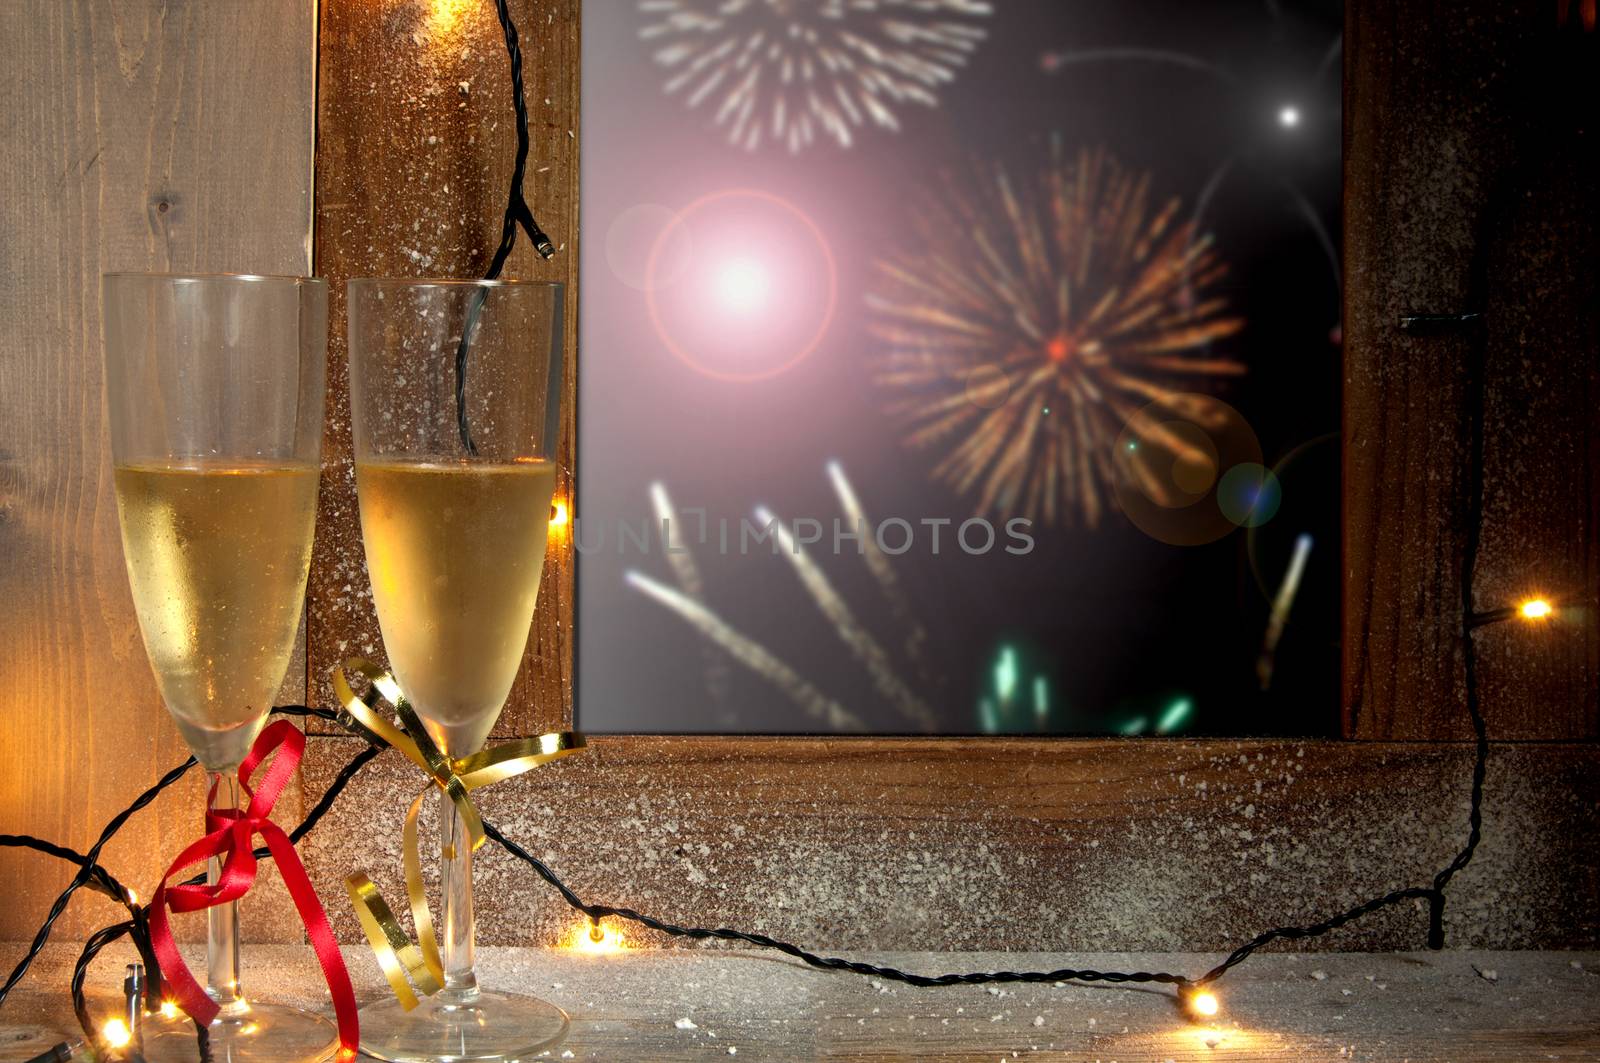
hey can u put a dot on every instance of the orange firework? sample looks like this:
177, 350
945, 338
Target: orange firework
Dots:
1032, 321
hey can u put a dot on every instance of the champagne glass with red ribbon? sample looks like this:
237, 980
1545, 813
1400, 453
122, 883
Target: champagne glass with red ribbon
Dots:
454, 401
214, 390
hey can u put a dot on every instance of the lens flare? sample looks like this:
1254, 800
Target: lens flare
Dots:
1187, 470
630, 238
741, 285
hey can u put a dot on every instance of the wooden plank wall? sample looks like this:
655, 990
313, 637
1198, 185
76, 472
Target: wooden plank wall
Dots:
138, 135
1470, 186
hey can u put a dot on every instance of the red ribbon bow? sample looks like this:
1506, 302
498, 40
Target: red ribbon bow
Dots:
231, 834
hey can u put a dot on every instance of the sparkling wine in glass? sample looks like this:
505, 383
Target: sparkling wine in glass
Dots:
214, 390
455, 474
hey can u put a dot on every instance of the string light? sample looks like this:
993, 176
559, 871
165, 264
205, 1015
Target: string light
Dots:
1532, 609
1199, 1001
169, 1009
594, 937
116, 1033
1202, 1003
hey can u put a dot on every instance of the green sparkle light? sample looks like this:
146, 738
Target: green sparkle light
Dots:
1041, 697
1176, 715
1005, 674
988, 718
1134, 726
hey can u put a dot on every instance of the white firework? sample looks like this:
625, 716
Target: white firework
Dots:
791, 71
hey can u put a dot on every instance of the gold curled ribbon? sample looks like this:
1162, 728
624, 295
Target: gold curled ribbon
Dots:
406, 963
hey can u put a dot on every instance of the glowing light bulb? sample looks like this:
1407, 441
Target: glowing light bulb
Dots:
558, 513
445, 15
1536, 609
169, 1009
1289, 116
595, 938
1204, 1004
116, 1033
741, 285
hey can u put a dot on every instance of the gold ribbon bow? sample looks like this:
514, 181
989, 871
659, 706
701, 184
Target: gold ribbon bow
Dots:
400, 958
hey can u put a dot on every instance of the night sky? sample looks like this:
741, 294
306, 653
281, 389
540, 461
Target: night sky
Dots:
721, 396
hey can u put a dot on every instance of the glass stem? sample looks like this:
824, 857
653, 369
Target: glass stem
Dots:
455, 887
222, 920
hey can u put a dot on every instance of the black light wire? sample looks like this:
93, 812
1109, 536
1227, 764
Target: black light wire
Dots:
518, 213
88, 869
138, 925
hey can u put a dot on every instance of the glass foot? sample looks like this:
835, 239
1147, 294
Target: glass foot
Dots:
483, 1026
255, 1033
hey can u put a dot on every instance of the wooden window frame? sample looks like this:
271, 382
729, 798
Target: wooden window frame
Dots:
1406, 431
1402, 681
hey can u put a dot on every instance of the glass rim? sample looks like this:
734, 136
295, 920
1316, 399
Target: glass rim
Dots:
146, 275
449, 282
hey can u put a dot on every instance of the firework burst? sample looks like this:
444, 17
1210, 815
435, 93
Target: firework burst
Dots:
1017, 703
1034, 320
792, 71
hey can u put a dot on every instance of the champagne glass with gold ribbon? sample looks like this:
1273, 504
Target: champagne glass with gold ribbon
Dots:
455, 405
214, 391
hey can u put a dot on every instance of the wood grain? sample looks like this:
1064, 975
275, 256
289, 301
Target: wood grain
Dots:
416, 146
139, 135
1464, 143
1010, 843
1409, 1008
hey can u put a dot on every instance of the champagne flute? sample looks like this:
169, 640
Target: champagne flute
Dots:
214, 392
455, 474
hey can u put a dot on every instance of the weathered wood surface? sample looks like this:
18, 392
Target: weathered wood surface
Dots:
1012, 844
139, 135
1467, 139
416, 144
1451, 1007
